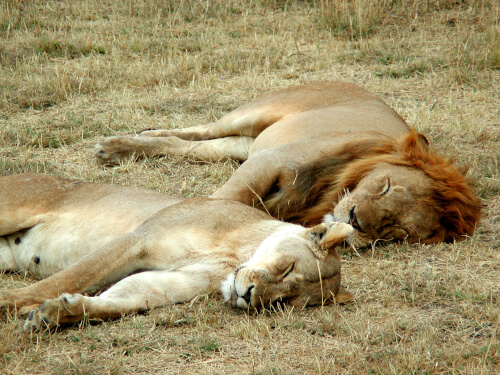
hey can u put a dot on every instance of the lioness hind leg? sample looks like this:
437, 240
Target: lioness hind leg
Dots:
112, 150
139, 292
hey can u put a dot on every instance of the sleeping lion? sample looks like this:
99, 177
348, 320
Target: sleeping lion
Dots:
159, 250
325, 151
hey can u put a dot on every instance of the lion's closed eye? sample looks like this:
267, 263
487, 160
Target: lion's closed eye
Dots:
386, 187
288, 270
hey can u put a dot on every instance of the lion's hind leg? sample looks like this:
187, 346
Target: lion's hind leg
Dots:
112, 150
139, 292
246, 121
194, 133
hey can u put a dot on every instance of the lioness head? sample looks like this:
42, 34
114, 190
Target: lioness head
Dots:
294, 265
411, 195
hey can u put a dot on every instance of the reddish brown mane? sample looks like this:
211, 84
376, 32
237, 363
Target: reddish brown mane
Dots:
313, 194
310, 190
459, 208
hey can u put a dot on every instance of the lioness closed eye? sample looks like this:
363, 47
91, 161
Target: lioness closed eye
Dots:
326, 149
83, 236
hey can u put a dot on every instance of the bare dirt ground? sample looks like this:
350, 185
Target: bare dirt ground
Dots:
72, 72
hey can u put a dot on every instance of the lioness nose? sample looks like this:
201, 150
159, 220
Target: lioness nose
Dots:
248, 294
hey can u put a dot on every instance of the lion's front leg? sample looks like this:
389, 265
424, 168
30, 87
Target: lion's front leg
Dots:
253, 180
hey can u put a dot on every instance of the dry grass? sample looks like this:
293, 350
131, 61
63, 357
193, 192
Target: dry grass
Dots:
73, 72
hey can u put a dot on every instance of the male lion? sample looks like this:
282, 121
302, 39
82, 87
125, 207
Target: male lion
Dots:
83, 236
326, 148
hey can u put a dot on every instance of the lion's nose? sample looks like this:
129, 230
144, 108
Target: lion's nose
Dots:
353, 220
248, 294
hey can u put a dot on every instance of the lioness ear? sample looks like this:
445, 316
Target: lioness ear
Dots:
316, 233
343, 296
325, 237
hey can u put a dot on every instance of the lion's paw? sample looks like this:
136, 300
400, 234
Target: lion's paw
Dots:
64, 309
112, 150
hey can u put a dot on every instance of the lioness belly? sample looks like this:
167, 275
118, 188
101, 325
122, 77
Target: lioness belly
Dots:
63, 237
49, 248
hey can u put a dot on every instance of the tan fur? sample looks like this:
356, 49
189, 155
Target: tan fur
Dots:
310, 148
158, 249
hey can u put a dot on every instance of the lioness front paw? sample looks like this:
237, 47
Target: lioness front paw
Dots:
112, 150
67, 308
342, 230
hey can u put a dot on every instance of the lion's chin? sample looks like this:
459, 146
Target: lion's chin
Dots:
329, 218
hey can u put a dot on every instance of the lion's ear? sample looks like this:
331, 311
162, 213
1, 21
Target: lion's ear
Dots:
326, 237
423, 140
415, 141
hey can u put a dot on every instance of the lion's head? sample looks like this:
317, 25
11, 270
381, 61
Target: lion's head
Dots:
410, 194
387, 189
294, 265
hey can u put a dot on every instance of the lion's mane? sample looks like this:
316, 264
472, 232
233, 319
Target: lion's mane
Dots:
311, 190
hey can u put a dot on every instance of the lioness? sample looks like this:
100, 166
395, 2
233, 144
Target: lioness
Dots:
83, 236
326, 149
